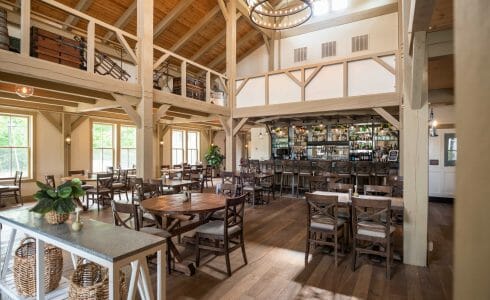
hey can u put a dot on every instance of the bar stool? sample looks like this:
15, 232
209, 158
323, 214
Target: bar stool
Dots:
289, 169
362, 172
381, 173
344, 170
304, 172
277, 172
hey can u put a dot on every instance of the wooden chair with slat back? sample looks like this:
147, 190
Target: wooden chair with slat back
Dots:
103, 191
131, 220
208, 175
289, 169
362, 171
227, 183
343, 169
372, 230
49, 180
318, 183
224, 233
323, 225
197, 182
121, 185
251, 187
324, 168
14, 190
378, 190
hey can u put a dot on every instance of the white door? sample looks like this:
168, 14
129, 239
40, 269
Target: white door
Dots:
442, 172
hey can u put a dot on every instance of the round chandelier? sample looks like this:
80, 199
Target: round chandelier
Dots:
24, 91
294, 13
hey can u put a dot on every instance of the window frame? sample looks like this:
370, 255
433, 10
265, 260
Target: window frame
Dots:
114, 143
31, 141
120, 148
185, 145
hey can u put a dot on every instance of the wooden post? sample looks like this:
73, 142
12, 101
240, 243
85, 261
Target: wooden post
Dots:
208, 86
144, 146
472, 91
183, 79
91, 46
230, 143
25, 27
66, 132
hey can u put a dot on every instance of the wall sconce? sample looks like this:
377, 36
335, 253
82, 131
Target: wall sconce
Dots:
432, 124
68, 140
261, 136
162, 143
24, 91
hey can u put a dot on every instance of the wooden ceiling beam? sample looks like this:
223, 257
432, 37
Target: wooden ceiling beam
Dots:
10, 88
212, 42
245, 39
54, 86
34, 99
188, 111
30, 105
170, 17
198, 27
71, 20
122, 21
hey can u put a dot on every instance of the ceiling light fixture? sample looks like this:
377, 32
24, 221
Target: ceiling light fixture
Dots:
294, 13
24, 91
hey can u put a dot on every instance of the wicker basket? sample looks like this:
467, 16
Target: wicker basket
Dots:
25, 267
53, 217
90, 281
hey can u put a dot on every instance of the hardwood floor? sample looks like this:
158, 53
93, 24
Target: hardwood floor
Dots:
275, 242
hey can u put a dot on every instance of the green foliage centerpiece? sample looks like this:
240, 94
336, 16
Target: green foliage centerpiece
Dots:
56, 204
214, 157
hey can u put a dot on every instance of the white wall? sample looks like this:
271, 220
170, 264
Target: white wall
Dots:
260, 148
383, 36
80, 147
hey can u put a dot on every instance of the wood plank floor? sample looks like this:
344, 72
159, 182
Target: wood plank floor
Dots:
275, 241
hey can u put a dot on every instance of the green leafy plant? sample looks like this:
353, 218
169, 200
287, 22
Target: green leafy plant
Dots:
213, 156
59, 199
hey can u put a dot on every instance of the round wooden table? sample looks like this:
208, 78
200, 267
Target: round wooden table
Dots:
202, 204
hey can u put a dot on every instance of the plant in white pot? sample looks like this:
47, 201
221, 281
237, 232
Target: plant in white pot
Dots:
56, 204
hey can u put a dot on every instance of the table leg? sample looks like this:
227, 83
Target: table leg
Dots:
39, 269
161, 274
145, 277
135, 265
185, 267
114, 282
8, 255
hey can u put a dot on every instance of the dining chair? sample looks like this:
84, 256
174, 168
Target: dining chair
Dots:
343, 169
49, 180
250, 187
372, 230
14, 190
378, 190
197, 182
324, 227
225, 233
103, 191
268, 187
85, 186
381, 172
318, 183
121, 185
289, 169
131, 220
208, 175
362, 171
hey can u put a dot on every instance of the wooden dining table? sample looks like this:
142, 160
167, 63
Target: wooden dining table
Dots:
396, 202
164, 207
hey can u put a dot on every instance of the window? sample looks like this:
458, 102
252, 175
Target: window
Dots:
102, 146
192, 147
450, 149
329, 49
300, 54
185, 147
177, 147
15, 145
127, 151
360, 43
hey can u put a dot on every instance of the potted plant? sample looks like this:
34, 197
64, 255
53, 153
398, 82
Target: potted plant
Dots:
214, 158
56, 204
